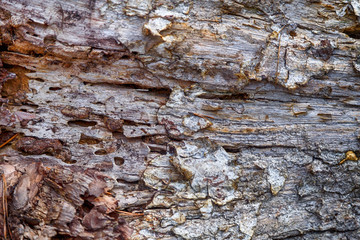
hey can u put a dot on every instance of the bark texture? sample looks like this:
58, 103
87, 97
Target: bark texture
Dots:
180, 119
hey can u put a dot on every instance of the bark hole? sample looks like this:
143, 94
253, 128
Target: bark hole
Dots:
101, 152
84, 139
119, 161
55, 88
353, 32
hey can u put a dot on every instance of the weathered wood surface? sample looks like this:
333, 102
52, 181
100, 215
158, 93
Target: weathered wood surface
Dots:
215, 119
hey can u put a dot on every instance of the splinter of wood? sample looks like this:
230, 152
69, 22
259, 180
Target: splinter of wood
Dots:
202, 116
10, 139
278, 57
129, 213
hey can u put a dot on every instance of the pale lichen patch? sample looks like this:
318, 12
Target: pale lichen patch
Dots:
208, 168
137, 7
156, 25
195, 123
276, 179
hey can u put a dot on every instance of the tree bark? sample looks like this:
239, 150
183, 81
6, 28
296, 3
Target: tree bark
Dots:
179, 119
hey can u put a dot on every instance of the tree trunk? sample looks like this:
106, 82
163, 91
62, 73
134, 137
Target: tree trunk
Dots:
180, 119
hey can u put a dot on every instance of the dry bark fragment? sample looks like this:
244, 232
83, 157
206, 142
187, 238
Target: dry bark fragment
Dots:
78, 113
39, 146
46, 198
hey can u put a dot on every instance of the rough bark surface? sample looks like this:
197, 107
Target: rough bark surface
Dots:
184, 119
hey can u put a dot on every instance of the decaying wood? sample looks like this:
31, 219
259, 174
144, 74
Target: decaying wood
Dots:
180, 119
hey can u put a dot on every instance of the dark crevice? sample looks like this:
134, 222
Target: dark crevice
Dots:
157, 208
237, 96
161, 149
81, 123
101, 152
55, 88
70, 161
62, 237
30, 104
87, 206
132, 123
162, 91
353, 32
119, 180
31, 221
84, 139
31, 34
3, 48
231, 149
